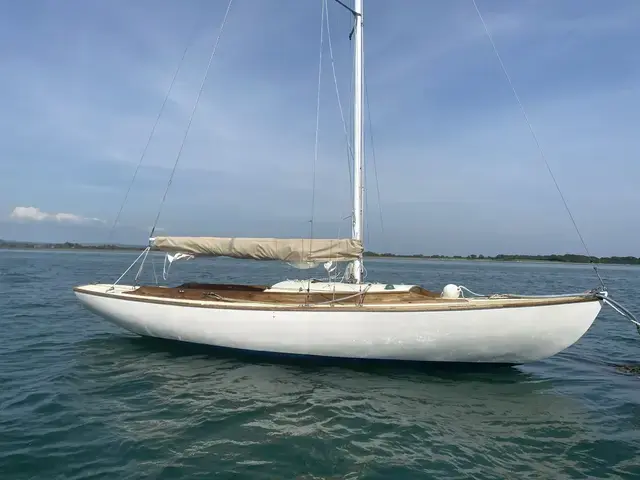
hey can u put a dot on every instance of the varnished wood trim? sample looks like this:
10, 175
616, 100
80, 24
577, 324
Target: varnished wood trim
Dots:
424, 307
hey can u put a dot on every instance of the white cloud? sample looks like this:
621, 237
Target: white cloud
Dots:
34, 214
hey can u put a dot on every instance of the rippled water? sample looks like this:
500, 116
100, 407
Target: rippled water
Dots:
80, 398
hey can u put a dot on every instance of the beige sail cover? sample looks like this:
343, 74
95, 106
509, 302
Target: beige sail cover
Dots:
285, 249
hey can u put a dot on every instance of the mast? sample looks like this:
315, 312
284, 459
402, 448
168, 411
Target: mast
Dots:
358, 138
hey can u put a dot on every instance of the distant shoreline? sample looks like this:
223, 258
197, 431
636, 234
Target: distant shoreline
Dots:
10, 245
555, 258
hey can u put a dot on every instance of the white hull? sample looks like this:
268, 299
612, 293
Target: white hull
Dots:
511, 335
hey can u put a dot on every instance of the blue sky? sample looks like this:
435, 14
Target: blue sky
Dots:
82, 82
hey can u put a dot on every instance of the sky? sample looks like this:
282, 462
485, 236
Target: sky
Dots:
82, 83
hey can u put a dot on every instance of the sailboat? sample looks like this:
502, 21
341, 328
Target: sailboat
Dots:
342, 316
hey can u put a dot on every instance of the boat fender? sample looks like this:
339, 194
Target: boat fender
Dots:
451, 291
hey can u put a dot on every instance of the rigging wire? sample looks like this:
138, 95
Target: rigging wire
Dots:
315, 148
346, 131
537, 142
148, 143
350, 156
373, 154
193, 111
335, 81
153, 129
366, 230
345, 125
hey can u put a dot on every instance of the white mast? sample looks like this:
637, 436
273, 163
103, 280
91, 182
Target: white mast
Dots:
358, 138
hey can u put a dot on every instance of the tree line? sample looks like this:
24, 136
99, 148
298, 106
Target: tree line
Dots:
562, 258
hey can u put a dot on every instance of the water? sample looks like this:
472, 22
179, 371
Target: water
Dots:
80, 398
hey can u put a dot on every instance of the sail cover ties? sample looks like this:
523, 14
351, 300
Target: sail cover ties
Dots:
292, 250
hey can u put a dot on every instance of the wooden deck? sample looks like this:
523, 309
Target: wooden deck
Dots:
251, 293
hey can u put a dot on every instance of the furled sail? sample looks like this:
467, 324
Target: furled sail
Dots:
293, 250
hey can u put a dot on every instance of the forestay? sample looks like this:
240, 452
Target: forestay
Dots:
285, 249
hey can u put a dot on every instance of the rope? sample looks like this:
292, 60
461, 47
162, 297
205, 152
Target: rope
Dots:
463, 289
361, 292
193, 111
155, 275
535, 138
589, 293
309, 304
